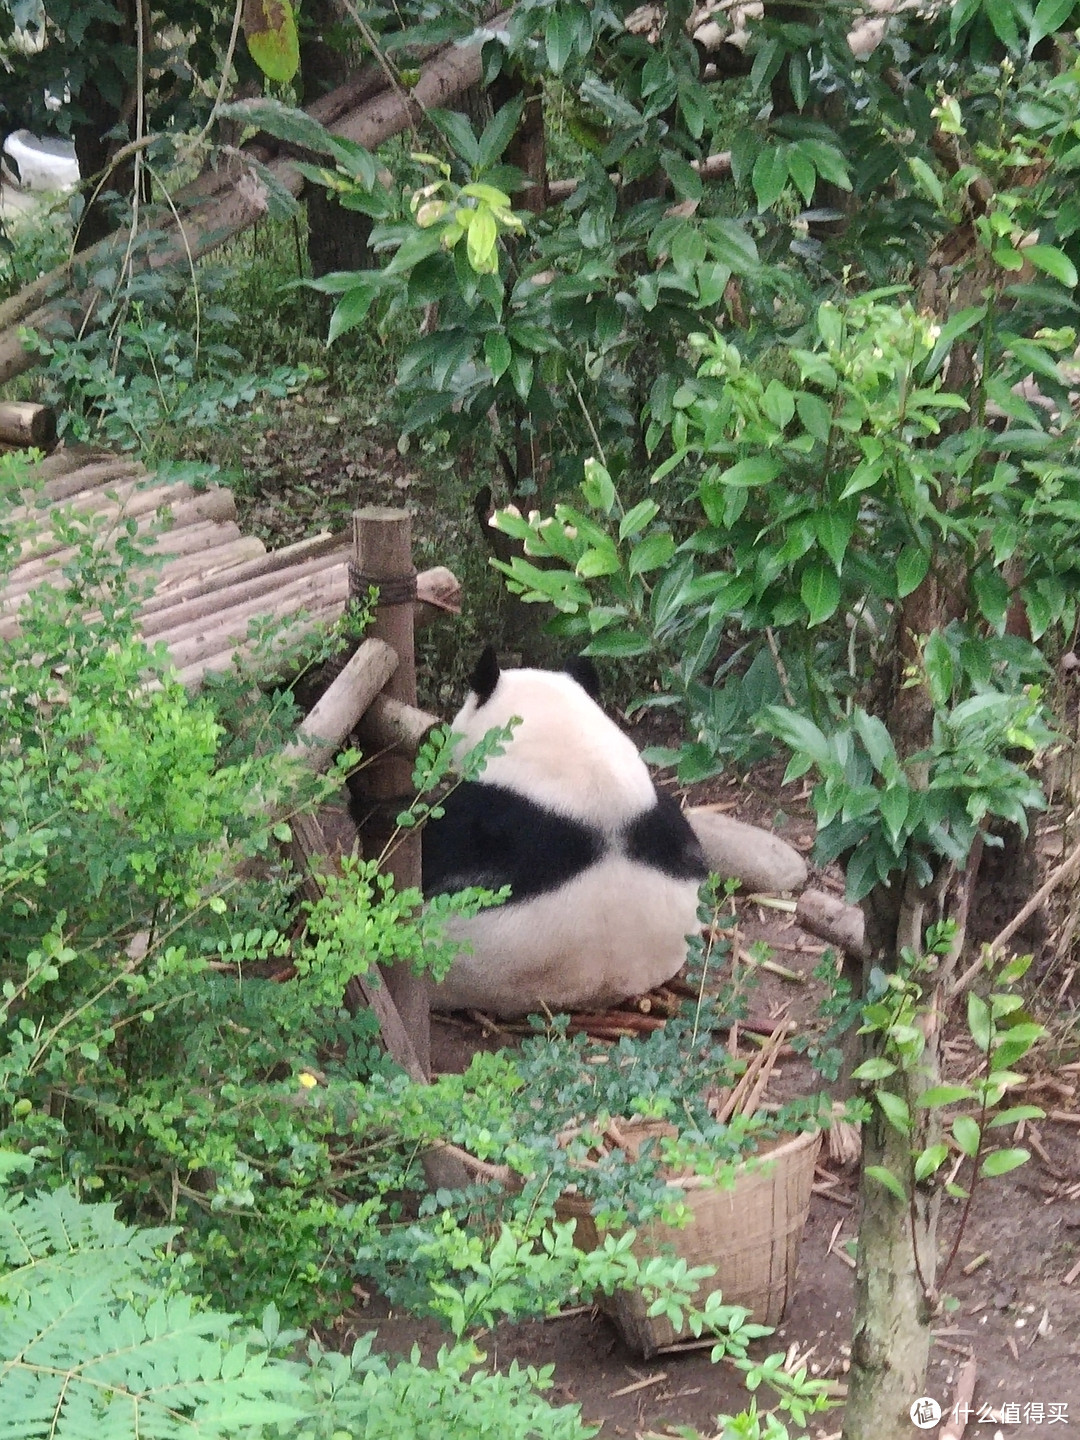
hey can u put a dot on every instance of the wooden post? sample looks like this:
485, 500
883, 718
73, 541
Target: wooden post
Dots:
382, 540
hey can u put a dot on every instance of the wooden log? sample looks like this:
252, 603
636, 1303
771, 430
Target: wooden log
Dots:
26, 424
383, 556
46, 511
186, 539
122, 502
390, 724
325, 729
67, 458
834, 921
192, 675
71, 485
263, 564
438, 592
212, 561
229, 593
202, 639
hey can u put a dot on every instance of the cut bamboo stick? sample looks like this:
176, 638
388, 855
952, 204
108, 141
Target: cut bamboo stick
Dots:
181, 540
46, 511
192, 675
122, 503
69, 458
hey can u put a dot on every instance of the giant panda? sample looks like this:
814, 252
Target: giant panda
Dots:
603, 873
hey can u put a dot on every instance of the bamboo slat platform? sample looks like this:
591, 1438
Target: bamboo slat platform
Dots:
213, 580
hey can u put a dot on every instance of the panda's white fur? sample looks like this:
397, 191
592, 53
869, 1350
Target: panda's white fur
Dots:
618, 927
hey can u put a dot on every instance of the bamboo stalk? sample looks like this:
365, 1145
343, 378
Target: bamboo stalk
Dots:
177, 589
215, 601
46, 510
123, 502
182, 540
192, 674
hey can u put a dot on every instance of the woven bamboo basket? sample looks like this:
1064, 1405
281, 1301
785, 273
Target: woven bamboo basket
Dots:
751, 1233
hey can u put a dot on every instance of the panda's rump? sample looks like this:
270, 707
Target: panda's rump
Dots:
617, 929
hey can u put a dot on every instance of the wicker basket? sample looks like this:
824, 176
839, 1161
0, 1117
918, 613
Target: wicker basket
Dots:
750, 1233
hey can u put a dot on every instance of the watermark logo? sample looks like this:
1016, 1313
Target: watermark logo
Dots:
925, 1413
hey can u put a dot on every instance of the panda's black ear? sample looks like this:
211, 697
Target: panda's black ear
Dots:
582, 669
486, 675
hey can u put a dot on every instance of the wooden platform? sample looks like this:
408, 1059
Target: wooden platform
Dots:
213, 580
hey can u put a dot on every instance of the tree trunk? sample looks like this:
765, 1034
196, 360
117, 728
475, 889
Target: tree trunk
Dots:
337, 238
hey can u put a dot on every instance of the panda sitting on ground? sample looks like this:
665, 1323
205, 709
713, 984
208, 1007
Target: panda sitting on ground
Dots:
603, 873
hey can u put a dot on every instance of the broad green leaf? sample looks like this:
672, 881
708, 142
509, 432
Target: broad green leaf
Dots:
350, 311
991, 593
802, 171
911, 566
834, 530
459, 131
889, 1180
498, 352
939, 1095
1053, 262
778, 403
966, 1133
830, 324
653, 552
930, 1161
1003, 16
819, 590
684, 178
959, 324
559, 33
481, 242
1000, 1162
284, 122
828, 161
618, 643
597, 487
894, 804
636, 519
770, 176
876, 1069
962, 12
895, 1110
876, 739
498, 132
520, 371
1014, 1115
759, 470
1050, 16
270, 32
815, 415
597, 561
978, 1020
797, 732
926, 179
940, 672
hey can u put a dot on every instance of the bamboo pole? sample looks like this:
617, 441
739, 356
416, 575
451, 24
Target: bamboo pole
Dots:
123, 502
213, 602
383, 557
176, 589
44, 508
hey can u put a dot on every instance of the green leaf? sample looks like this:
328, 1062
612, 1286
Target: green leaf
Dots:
597, 487
889, 1180
911, 566
520, 371
459, 131
350, 311
978, 1019
930, 1161
684, 178
621, 644
927, 181
636, 519
1052, 262
1000, 1162
769, 177
815, 415
498, 132
834, 530
481, 241
778, 404
270, 32
1014, 1115
966, 1133
940, 671
498, 352
939, 1095
559, 32
895, 1110
1003, 15
992, 594
653, 552
284, 122
876, 1069
1050, 16
759, 470
819, 590
894, 805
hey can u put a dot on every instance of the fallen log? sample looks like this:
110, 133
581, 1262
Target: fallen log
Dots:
25, 424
